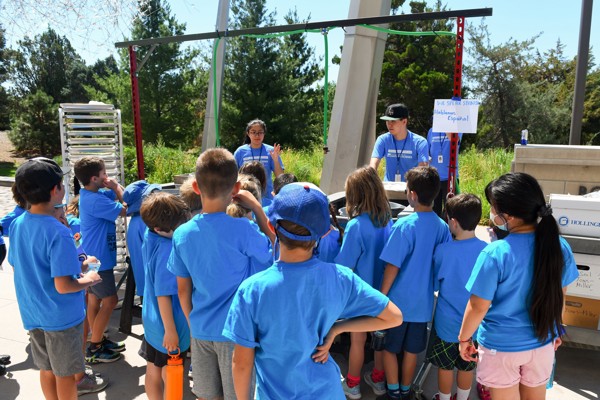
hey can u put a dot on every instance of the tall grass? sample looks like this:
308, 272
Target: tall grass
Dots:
306, 164
161, 163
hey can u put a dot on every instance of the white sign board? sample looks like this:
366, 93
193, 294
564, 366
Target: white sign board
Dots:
455, 116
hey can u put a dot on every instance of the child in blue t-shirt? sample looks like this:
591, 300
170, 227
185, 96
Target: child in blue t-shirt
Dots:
98, 211
452, 263
408, 277
212, 255
48, 284
283, 320
165, 327
365, 235
9, 218
133, 195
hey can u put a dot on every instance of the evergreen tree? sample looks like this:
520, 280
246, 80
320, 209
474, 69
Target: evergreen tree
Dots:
270, 79
417, 69
4, 108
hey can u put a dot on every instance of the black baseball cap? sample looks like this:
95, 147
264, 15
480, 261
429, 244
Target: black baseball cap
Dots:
40, 172
395, 112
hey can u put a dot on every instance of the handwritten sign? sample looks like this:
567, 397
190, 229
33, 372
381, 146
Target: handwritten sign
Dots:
588, 283
455, 116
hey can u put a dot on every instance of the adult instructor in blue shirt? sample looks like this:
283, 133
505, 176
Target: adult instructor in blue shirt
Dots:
402, 149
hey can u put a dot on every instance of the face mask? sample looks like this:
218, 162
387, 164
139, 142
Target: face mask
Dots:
503, 226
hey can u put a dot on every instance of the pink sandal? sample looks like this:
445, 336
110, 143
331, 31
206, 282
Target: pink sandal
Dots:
483, 392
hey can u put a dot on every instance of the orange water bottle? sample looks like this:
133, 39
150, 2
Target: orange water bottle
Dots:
174, 377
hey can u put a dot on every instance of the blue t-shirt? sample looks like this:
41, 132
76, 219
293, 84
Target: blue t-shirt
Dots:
256, 266
329, 245
503, 274
362, 246
74, 223
285, 312
245, 154
160, 282
216, 251
97, 213
9, 218
410, 248
400, 155
439, 145
43, 249
453, 263
135, 238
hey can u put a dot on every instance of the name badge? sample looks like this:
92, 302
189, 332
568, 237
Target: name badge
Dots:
398, 178
440, 159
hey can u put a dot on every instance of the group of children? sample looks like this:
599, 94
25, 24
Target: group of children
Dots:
252, 292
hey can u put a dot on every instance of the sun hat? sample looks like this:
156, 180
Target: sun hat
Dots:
136, 192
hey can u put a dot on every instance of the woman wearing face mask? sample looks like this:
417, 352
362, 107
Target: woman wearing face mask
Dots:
517, 293
255, 150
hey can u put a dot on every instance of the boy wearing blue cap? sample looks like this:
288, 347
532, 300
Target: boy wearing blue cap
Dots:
212, 254
50, 298
133, 195
283, 320
98, 211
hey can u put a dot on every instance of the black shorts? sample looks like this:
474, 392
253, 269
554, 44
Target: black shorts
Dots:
446, 355
410, 337
158, 358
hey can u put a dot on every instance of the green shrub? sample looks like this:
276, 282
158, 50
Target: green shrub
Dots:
161, 163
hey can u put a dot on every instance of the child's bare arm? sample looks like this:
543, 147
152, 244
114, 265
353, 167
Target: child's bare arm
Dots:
171, 339
242, 364
184, 291
246, 199
390, 317
66, 284
389, 275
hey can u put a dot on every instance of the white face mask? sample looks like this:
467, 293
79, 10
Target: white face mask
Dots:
503, 226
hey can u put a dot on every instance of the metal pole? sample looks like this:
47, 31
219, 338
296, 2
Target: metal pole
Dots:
137, 120
209, 137
581, 72
456, 93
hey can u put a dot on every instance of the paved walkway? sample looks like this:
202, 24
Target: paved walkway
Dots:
577, 371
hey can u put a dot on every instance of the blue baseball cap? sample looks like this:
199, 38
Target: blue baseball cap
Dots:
136, 192
304, 204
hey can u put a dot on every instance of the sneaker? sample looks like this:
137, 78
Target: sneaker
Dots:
113, 346
351, 392
407, 395
388, 396
437, 396
2, 370
483, 393
91, 384
190, 375
101, 355
378, 387
4, 359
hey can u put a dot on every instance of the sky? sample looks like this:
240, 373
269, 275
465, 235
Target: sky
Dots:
519, 20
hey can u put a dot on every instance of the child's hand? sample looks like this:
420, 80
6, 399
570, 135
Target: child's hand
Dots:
468, 351
111, 183
276, 152
171, 340
322, 354
246, 199
93, 277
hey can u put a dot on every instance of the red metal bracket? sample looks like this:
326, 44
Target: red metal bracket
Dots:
456, 93
137, 119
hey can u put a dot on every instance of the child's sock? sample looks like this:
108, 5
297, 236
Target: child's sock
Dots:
404, 389
444, 396
352, 381
393, 390
377, 375
462, 394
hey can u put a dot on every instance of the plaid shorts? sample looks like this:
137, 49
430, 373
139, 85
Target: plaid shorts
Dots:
446, 355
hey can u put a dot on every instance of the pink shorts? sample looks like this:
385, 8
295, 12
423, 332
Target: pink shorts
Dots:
499, 369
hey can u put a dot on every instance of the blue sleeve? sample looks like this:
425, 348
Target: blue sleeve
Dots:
352, 246
363, 299
570, 272
63, 254
437, 264
399, 246
429, 140
422, 151
165, 283
484, 277
379, 148
258, 249
175, 263
239, 325
105, 208
239, 157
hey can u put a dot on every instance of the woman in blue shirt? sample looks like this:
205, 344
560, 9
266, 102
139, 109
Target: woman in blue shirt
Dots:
517, 290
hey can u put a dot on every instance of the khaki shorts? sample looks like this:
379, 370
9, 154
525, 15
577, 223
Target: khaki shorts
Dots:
58, 351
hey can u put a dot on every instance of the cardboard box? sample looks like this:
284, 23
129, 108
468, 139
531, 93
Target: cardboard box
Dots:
582, 312
576, 215
588, 283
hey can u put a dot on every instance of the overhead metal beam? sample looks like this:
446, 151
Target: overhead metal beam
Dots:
386, 19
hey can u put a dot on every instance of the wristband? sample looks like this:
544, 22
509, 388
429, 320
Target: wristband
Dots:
469, 340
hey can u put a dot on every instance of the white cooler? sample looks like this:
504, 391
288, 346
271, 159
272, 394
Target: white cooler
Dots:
576, 215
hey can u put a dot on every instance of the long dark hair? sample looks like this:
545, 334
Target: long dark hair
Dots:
520, 195
249, 125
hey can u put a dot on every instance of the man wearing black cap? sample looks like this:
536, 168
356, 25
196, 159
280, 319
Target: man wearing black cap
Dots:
401, 148
50, 299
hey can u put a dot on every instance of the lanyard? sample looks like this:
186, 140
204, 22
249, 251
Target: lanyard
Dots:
259, 154
401, 151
